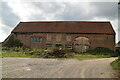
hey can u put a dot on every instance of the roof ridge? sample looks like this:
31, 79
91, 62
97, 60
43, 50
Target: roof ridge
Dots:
65, 21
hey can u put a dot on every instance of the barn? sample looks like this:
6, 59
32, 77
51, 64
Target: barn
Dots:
82, 35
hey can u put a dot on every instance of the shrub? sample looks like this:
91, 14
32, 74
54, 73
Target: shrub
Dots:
68, 55
116, 64
35, 51
5, 49
52, 48
67, 50
103, 51
54, 52
13, 43
17, 49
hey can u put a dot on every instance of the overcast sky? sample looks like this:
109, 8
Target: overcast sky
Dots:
14, 11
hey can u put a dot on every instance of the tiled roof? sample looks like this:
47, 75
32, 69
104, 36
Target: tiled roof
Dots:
65, 27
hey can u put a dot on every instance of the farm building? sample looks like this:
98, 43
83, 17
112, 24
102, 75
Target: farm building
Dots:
82, 35
118, 47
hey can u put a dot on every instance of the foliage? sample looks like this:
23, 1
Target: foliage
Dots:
54, 48
13, 43
17, 54
23, 50
103, 51
59, 52
68, 50
36, 51
5, 49
15, 49
89, 56
56, 53
45, 55
116, 64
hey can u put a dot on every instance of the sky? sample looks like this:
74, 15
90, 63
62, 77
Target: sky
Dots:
15, 11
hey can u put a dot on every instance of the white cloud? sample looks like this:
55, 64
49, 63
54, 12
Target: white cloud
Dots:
3, 33
65, 0
27, 10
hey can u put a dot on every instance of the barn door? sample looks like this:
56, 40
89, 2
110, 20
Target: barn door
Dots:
81, 44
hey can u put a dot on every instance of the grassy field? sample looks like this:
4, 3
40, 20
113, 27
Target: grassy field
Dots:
17, 54
41, 53
89, 56
116, 64
76, 56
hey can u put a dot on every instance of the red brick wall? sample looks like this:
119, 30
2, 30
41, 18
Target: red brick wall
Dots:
96, 40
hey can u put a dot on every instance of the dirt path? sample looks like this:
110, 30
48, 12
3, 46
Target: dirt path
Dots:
52, 68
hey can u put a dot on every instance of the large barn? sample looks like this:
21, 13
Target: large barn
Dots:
85, 35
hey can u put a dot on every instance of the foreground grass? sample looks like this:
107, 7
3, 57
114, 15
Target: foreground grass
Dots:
76, 56
116, 64
17, 54
89, 56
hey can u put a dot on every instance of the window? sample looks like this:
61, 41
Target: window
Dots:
48, 45
58, 37
68, 46
36, 39
68, 38
48, 37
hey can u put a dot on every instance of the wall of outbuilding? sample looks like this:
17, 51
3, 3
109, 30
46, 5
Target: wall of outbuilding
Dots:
96, 40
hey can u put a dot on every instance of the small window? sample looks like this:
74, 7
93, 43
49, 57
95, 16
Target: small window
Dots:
48, 45
68, 46
36, 39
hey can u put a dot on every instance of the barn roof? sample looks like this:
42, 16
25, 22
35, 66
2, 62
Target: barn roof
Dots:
65, 27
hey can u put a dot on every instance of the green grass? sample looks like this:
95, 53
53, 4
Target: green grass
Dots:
17, 54
89, 56
76, 56
84, 56
116, 64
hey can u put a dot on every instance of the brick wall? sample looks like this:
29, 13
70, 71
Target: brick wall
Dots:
96, 40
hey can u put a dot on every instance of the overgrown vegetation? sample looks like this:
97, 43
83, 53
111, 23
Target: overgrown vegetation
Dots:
12, 43
50, 53
55, 52
116, 64
103, 51
17, 54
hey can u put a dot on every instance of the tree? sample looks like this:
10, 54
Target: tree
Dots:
13, 43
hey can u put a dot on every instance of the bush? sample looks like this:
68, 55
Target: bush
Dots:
36, 51
5, 49
116, 64
103, 51
13, 43
54, 52
67, 50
